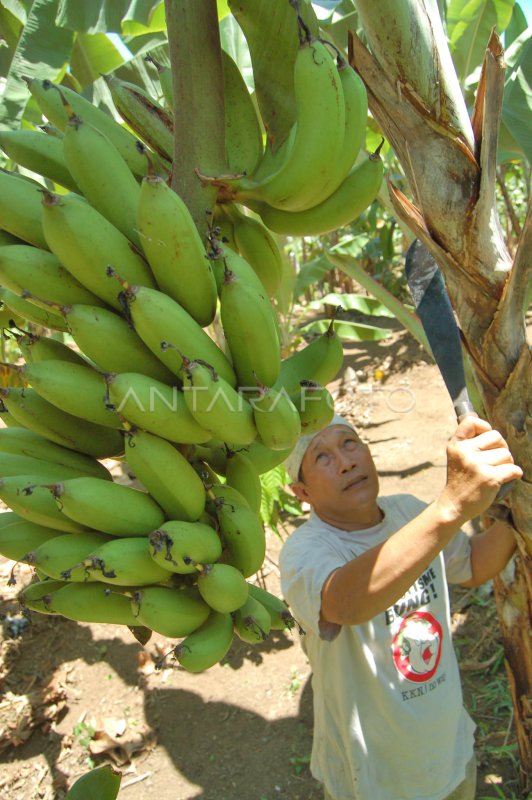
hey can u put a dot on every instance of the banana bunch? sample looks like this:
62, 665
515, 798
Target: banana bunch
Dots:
141, 341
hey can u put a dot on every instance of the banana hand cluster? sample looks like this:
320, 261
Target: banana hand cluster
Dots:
316, 180
143, 342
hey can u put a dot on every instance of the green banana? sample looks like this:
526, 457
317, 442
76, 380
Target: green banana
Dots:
315, 405
155, 407
7, 518
243, 535
7, 418
86, 244
257, 246
356, 113
37, 595
318, 140
51, 130
39, 153
21, 536
92, 328
144, 115
171, 612
45, 348
319, 361
28, 498
102, 175
29, 269
13, 464
222, 587
28, 443
125, 561
30, 312
35, 413
272, 160
166, 474
8, 320
242, 476
243, 134
73, 388
174, 249
61, 556
276, 418
227, 494
221, 231
280, 616
8, 238
248, 321
179, 545
252, 621
350, 199
207, 645
263, 458
158, 319
92, 602
215, 405
107, 506
224, 259
49, 101
215, 456
204, 470
20, 209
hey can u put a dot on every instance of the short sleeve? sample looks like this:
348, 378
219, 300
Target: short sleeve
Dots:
457, 556
305, 564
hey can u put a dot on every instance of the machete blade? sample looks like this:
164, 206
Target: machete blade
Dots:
434, 309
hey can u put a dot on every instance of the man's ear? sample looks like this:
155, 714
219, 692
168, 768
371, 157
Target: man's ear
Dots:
300, 491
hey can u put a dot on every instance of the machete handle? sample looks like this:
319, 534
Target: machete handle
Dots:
463, 410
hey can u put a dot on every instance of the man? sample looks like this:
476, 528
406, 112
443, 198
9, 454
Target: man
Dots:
366, 578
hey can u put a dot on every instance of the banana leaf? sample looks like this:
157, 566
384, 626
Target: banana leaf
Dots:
517, 100
42, 51
348, 331
469, 26
517, 25
354, 302
102, 783
408, 318
93, 55
310, 273
105, 16
223, 9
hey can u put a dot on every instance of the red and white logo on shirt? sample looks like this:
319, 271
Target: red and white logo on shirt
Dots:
417, 646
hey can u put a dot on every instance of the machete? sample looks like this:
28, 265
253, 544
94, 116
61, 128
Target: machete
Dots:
434, 309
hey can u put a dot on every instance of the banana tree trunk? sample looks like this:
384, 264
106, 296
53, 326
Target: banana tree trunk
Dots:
450, 163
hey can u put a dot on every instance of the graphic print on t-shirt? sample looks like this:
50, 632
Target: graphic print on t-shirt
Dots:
417, 646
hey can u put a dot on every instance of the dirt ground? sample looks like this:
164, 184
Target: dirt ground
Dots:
74, 695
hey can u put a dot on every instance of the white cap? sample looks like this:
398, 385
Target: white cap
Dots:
293, 462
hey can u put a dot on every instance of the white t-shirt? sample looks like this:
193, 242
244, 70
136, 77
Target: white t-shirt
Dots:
389, 722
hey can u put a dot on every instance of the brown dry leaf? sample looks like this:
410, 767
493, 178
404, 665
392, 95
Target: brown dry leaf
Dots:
113, 738
145, 662
21, 714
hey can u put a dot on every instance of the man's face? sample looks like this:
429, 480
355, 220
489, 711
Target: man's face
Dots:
339, 479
